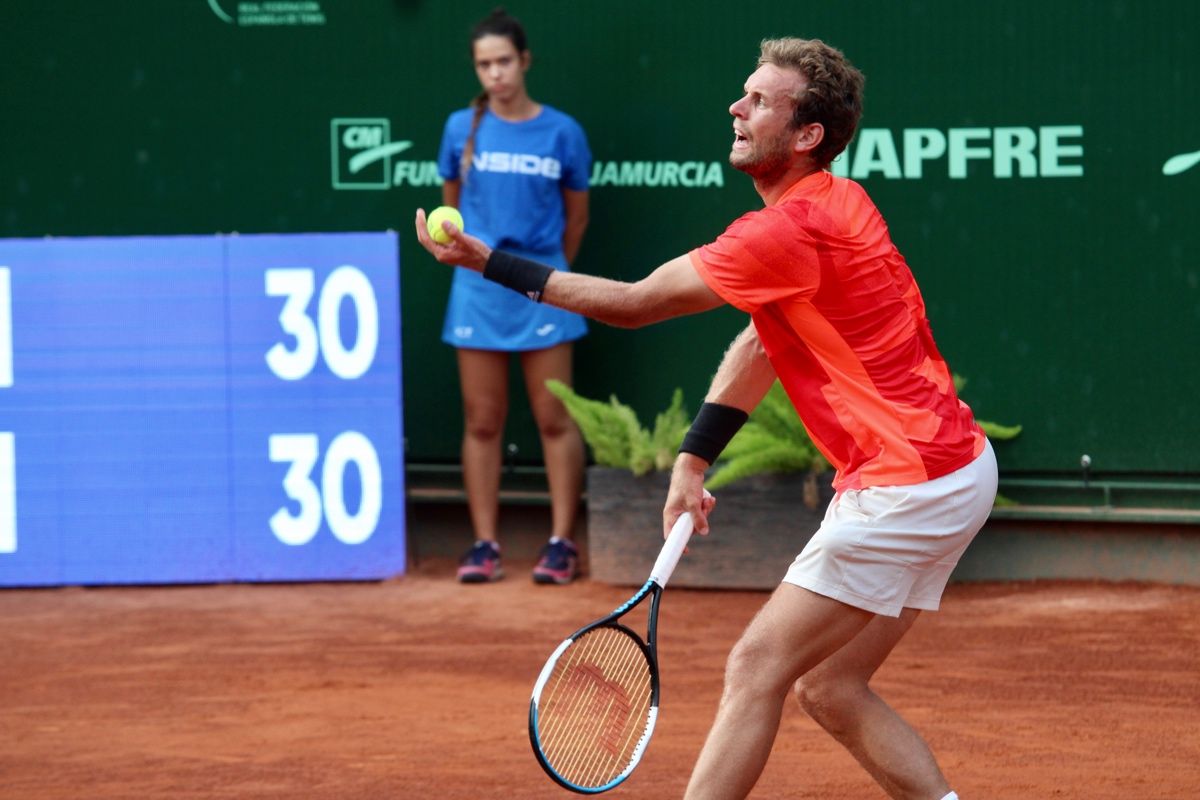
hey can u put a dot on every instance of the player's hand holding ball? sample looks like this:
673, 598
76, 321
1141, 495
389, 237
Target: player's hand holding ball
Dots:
461, 249
437, 217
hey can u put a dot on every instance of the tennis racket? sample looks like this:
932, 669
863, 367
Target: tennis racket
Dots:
596, 700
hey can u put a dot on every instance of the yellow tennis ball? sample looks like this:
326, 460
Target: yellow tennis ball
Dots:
437, 217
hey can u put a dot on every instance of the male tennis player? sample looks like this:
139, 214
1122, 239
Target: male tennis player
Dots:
837, 317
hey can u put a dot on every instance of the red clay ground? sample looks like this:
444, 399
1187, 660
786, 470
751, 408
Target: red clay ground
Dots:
418, 688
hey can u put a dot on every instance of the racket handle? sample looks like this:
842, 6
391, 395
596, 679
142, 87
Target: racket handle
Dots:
669, 556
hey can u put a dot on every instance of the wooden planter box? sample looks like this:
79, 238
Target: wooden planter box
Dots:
759, 526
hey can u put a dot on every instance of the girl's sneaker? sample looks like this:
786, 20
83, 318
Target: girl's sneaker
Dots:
558, 563
481, 564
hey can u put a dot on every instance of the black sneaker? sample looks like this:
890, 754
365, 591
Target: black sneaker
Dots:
558, 563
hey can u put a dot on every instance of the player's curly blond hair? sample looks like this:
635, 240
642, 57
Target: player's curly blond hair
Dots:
834, 93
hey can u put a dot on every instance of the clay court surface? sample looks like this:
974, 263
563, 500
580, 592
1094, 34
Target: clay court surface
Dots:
418, 688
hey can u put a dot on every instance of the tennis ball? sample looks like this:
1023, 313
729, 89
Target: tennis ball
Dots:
437, 217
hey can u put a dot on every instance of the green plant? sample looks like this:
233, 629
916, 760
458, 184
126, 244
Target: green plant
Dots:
772, 440
617, 438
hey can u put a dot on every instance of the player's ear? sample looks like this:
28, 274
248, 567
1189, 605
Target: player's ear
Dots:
808, 138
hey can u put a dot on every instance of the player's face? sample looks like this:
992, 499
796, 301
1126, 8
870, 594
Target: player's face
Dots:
763, 135
500, 67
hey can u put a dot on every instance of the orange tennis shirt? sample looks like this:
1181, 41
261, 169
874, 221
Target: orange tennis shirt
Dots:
843, 323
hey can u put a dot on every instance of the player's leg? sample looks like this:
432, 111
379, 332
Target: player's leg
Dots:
562, 445
926, 527
483, 376
796, 630
836, 694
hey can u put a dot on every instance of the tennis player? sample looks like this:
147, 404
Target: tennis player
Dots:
837, 316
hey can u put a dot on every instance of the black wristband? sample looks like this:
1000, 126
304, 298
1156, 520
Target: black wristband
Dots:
712, 429
519, 274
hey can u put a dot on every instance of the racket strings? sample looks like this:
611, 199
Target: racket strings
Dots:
619, 749
596, 739
588, 699
595, 707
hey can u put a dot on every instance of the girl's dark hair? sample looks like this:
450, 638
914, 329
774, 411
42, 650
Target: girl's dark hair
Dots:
500, 23
497, 23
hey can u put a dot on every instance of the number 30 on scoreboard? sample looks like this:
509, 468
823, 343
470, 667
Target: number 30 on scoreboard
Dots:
323, 337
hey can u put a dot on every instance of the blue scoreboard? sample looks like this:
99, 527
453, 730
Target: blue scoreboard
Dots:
199, 409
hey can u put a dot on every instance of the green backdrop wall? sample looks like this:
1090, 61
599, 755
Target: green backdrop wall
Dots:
1017, 150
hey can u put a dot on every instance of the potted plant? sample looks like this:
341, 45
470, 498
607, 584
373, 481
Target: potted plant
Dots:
769, 500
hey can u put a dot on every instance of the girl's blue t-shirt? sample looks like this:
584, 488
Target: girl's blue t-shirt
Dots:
512, 200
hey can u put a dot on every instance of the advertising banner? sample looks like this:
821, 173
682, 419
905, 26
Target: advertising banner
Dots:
1036, 163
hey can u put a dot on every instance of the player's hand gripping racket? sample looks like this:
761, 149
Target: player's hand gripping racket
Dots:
596, 700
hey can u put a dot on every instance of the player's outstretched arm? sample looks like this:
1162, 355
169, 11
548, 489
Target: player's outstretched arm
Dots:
672, 290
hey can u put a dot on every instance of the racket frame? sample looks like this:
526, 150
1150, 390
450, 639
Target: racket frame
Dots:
649, 650
668, 558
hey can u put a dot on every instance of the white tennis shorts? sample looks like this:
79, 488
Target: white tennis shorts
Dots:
886, 548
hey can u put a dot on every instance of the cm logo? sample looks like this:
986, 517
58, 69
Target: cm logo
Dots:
362, 152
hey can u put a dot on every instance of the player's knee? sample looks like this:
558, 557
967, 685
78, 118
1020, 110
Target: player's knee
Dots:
829, 701
749, 668
811, 695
